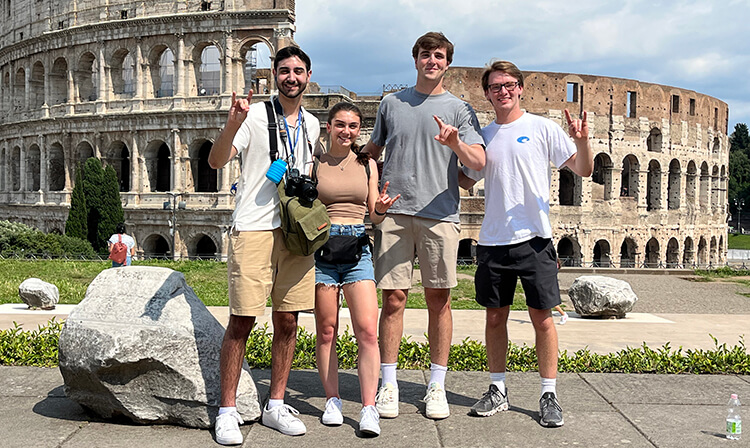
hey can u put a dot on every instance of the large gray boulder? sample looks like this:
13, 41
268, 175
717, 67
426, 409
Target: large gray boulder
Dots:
37, 293
599, 296
143, 346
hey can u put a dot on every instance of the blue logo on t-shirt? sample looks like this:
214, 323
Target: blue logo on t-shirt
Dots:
522, 139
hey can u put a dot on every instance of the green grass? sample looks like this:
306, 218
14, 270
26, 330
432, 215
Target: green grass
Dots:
207, 278
736, 241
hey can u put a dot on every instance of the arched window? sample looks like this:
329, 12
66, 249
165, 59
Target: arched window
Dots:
156, 246
653, 194
205, 178
36, 86
56, 170
653, 143
690, 183
702, 252
627, 253
58, 82
602, 177
467, 250
570, 187
673, 253
569, 252
19, 90
159, 166
15, 169
257, 68
209, 73
119, 159
123, 73
688, 256
87, 78
629, 177
205, 249
673, 187
714, 253
33, 166
163, 74
652, 253
602, 254
84, 151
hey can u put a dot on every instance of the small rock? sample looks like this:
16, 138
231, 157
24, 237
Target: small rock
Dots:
599, 296
39, 294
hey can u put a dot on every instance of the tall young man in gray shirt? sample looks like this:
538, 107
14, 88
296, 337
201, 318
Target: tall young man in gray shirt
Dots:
427, 131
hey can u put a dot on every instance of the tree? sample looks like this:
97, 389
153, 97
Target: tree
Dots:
76, 225
111, 206
739, 166
740, 139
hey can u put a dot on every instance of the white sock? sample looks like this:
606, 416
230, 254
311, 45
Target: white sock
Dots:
227, 409
437, 374
498, 379
548, 385
272, 403
388, 371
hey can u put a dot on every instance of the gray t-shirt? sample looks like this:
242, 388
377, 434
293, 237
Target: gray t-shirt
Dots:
417, 166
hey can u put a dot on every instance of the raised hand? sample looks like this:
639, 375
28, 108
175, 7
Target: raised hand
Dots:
384, 201
578, 129
448, 134
238, 109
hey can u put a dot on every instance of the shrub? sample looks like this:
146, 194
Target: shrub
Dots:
21, 240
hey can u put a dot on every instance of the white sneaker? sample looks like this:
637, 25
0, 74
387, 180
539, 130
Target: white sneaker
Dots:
227, 428
283, 418
563, 319
437, 404
369, 421
332, 414
386, 402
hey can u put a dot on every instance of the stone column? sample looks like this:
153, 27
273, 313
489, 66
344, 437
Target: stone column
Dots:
68, 167
45, 106
139, 78
642, 190
102, 91
72, 92
98, 141
22, 166
136, 164
43, 164
27, 88
180, 88
174, 158
228, 86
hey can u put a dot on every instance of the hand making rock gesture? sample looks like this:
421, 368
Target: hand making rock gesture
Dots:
238, 109
578, 129
384, 201
448, 134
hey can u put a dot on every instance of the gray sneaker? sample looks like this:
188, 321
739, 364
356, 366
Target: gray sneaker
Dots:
550, 412
492, 401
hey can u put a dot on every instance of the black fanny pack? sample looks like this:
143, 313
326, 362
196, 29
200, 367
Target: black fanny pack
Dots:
342, 249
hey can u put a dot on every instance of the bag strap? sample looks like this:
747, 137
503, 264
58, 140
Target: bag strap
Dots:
272, 130
316, 164
119, 235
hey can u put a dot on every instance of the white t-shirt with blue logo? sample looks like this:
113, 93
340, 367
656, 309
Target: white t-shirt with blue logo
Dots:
517, 178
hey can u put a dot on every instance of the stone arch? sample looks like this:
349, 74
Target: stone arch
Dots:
651, 259
653, 192
33, 168
122, 69
715, 188
704, 187
602, 177
256, 61
205, 178
467, 250
690, 182
570, 187
156, 246
628, 250
569, 251
58, 82
19, 89
673, 185
654, 140
713, 252
702, 252
56, 167
119, 158
15, 169
208, 69
162, 63
716, 145
673, 253
203, 247
629, 178
602, 253
87, 77
158, 159
6, 93
688, 254
36, 86
84, 151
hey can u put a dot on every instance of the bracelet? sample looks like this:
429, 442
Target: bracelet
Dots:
380, 214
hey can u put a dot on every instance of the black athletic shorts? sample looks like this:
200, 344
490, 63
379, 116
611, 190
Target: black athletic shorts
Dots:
499, 267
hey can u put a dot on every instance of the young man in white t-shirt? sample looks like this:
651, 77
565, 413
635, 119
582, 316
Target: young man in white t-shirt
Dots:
516, 236
259, 263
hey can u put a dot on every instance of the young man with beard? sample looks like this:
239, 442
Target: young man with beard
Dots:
259, 263
427, 131
516, 236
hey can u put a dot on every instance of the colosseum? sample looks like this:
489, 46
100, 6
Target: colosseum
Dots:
145, 86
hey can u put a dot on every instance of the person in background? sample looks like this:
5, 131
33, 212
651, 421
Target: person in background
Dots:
348, 186
127, 240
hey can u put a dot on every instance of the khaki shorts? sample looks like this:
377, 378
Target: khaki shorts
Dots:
260, 265
399, 237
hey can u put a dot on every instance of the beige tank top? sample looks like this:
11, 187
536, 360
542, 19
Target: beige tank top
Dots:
342, 187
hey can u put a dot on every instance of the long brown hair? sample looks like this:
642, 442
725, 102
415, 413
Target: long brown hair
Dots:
362, 157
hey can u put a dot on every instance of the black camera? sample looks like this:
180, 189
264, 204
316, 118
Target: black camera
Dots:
301, 186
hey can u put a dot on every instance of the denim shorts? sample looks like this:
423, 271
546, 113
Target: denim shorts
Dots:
341, 274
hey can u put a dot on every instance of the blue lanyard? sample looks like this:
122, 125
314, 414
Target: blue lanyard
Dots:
296, 136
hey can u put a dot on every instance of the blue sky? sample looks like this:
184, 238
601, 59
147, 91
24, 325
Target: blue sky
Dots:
697, 45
